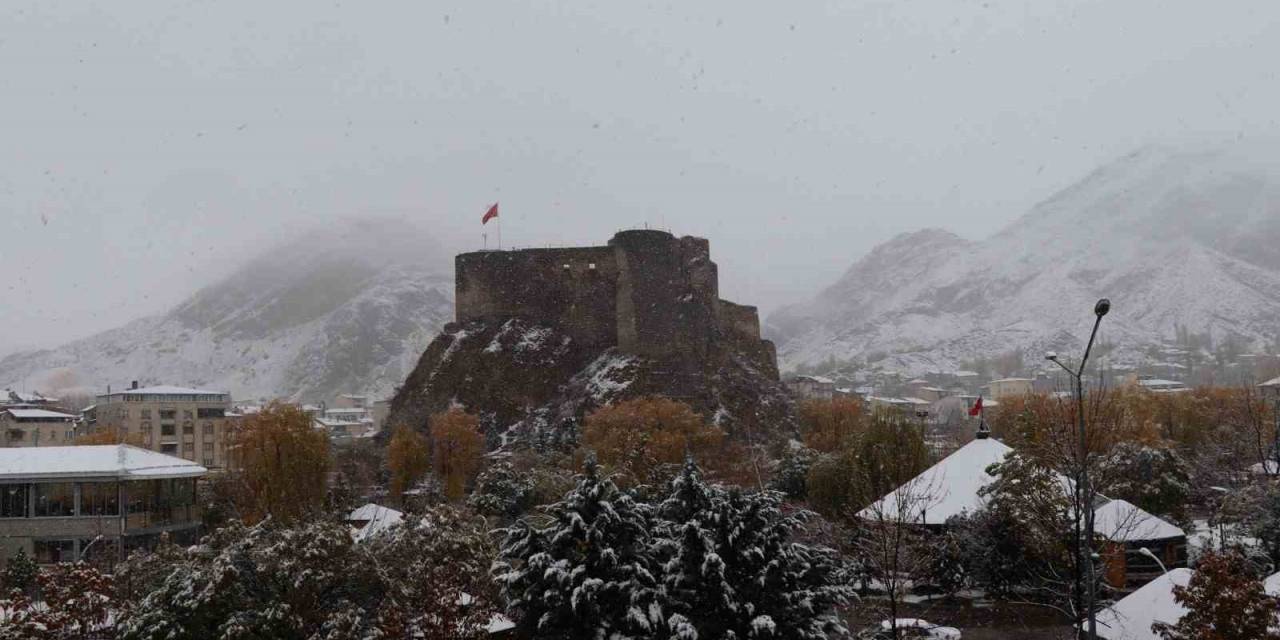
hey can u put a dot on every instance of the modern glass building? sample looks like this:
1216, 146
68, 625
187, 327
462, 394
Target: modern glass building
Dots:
62, 504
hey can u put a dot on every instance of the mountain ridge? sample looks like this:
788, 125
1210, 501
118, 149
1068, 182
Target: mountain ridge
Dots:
343, 308
1175, 237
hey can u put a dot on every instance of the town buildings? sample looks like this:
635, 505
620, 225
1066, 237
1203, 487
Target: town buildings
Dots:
62, 504
29, 427
193, 424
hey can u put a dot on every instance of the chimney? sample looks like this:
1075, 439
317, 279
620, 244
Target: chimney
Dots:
135, 385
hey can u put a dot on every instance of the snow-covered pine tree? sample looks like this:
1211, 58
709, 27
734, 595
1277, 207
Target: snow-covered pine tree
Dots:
732, 571
587, 574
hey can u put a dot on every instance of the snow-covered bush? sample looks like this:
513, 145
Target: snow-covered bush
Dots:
1156, 479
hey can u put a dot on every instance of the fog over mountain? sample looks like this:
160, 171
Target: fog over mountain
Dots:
348, 307
1175, 236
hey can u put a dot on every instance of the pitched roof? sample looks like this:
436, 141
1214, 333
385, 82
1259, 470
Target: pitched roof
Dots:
1131, 618
1271, 383
119, 461
377, 519
1121, 521
950, 487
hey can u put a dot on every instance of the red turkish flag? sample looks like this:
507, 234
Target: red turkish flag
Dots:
977, 407
490, 214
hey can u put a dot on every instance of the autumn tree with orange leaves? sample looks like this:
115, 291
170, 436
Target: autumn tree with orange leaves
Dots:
645, 440
457, 448
829, 425
279, 464
408, 459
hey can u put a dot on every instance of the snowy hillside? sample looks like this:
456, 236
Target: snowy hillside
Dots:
348, 308
1175, 237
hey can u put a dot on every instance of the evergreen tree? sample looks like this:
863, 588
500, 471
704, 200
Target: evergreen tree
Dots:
502, 492
585, 575
732, 571
1153, 478
20, 572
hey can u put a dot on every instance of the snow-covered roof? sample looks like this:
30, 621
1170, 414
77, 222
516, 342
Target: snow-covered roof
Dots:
377, 519
1271, 383
1011, 380
1121, 521
34, 397
817, 379
119, 461
948, 488
1131, 618
168, 390
1157, 383
39, 414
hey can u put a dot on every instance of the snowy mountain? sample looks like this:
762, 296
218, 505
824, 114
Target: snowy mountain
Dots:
1176, 237
346, 308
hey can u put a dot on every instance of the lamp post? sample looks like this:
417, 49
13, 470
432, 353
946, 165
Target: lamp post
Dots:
1086, 492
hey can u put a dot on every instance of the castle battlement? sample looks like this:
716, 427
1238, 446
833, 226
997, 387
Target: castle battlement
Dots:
646, 292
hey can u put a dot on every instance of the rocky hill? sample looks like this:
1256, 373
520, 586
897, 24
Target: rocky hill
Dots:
345, 308
1179, 238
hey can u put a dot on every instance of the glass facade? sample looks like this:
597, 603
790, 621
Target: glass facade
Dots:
13, 500
99, 499
56, 500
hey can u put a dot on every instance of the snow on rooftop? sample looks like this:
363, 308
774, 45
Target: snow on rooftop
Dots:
1271, 383
376, 519
39, 414
120, 461
1131, 618
950, 487
1122, 521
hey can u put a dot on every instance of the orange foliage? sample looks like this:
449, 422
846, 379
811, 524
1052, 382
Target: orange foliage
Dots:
828, 425
646, 439
457, 448
280, 464
408, 459
109, 435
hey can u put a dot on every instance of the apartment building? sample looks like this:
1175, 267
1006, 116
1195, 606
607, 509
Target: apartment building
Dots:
189, 423
28, 427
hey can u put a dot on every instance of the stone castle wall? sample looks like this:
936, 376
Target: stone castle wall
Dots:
647, 292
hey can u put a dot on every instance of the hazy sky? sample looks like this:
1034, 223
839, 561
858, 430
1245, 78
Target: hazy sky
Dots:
147, 148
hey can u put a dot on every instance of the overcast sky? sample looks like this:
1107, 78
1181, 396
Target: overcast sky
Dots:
147, 148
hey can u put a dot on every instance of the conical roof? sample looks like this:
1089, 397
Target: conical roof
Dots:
946, 489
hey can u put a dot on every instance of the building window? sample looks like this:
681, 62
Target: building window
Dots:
16, 435
208, 462
13, 500
55, 500
168, 414
99, 499
189, 451
186, 414
145, 413
211, 412
168, 429
55, 551
208, 430
188, 428
171, 449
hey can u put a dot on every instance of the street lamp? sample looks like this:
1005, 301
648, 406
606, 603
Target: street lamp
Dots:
1085, 491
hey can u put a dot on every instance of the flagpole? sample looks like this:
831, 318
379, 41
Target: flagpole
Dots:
499, 233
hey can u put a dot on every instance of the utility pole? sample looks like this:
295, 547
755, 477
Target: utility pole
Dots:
1085, 490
